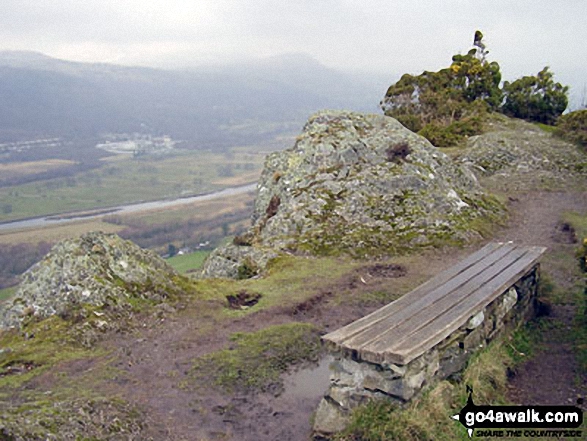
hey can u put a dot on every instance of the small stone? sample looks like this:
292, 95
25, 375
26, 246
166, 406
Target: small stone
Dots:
476, 320
330, 418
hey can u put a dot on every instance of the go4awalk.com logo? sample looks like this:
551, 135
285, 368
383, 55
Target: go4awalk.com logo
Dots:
518, 421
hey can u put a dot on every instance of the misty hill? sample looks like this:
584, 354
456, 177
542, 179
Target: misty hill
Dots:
43, 96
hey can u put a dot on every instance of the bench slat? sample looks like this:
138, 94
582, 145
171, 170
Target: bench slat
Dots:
428, 316
449, 322
405, 317
411, 325
422, 297
369, 320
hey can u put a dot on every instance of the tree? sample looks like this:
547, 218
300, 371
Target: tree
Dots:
536, 98
446, 105
450, 104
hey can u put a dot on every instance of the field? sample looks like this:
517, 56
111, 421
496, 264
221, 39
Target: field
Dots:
132, 180
184, 226
188, 262
55, 233
19, 169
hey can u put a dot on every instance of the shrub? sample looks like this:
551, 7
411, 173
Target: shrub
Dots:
447, 105
451, 104
573, 127
536, 98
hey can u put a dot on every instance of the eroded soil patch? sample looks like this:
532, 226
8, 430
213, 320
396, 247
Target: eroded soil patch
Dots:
243, 300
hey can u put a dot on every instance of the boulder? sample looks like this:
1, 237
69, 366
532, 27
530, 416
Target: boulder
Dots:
95, 269
358, 184
517, 155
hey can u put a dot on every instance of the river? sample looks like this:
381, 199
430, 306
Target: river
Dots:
44, 221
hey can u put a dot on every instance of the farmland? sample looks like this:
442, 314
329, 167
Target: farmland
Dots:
131, 180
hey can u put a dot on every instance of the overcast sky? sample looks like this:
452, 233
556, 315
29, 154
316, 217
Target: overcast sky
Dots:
369, 35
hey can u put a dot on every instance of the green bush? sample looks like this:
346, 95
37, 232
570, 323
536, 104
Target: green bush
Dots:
447, 105
451, 104
535, 98
573, 127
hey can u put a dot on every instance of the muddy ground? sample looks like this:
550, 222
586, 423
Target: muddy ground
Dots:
151, 366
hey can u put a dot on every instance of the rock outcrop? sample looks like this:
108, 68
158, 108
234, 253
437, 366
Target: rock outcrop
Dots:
517, 155
95, 269
357, 184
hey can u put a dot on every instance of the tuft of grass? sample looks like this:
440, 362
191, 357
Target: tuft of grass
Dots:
579, 292
546, 128
6, 293
256, 359
578, 222
44, 345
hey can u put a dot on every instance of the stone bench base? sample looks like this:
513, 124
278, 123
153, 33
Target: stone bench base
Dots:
353, 382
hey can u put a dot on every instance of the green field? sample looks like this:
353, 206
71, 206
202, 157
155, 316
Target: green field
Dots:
187, 262
132, 180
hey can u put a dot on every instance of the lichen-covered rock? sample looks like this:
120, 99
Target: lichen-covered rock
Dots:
95, 269
237, 262
363, 185
518, 155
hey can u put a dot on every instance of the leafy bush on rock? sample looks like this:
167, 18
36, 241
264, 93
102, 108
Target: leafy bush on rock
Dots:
449, 105
573, 127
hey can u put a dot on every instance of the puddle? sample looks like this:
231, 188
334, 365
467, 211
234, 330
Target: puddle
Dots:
266, 416
310, 383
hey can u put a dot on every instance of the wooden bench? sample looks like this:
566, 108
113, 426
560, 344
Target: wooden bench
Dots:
430, 333
411, 325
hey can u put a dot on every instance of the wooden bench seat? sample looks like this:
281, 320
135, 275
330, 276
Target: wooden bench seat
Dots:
408, 327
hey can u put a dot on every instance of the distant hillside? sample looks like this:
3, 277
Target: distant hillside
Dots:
42, 96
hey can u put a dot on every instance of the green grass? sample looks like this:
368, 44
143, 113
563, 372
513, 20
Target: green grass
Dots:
6, 293
288, 281
579, 297
546, 127
49, 347
187, 262
127, 181
578, 222
258, 358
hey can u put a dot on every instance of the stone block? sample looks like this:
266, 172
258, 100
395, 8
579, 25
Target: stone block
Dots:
330, 418
476, 320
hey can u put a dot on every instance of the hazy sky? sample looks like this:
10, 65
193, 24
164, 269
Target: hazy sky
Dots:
369, 35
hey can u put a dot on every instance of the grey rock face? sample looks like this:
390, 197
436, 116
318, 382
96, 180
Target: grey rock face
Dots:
237, 262
363, 185
95, 269
521, 152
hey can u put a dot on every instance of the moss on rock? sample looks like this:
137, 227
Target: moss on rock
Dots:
79, 277
358, 184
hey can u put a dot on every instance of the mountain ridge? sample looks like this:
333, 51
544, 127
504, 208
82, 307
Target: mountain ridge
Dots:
45, 96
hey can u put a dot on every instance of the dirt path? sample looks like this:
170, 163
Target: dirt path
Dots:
552, 376
156, 361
